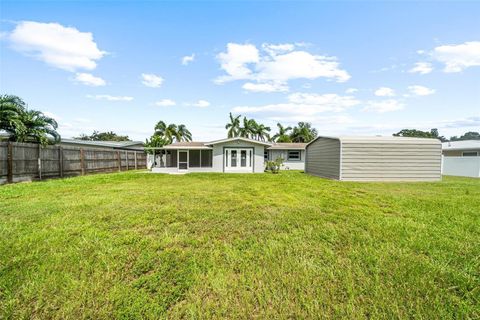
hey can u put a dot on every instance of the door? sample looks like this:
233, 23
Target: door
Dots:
238, 159
182, 160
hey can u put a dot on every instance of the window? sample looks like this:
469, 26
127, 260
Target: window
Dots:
293, 155
265, 155
194, 158
206, 158
469, 153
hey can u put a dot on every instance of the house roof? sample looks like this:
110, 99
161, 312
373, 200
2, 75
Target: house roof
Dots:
377, 139
187, 145
461, 145
239, 139
287, 146
110, 144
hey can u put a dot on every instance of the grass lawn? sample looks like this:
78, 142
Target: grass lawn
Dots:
138, 245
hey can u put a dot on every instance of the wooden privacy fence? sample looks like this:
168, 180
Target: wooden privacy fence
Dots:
28, 161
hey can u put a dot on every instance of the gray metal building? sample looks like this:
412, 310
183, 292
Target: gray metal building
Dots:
374, 158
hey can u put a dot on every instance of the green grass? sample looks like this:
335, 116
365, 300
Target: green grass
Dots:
138, 245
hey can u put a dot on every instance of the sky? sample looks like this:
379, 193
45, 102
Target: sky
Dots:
349, 67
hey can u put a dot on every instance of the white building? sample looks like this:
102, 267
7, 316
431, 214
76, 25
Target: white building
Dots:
237, 154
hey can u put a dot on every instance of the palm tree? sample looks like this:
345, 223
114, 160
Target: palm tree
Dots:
25, 125
172, 132
160, 128
39, 128
11, 109
234, 126
247, 130
262, 132
303, 132
282, 135
183, 133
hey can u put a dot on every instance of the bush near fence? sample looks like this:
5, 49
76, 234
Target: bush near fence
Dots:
28, 161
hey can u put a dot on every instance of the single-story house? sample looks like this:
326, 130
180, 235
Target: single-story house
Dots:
115, 145
461, 158
374, 158
237, 154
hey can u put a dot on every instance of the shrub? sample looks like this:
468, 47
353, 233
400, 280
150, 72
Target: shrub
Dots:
274, 166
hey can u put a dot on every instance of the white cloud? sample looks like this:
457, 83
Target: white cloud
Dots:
351, 90
187, 59
385, 92
235, 61
151, 80
422, 68
384, 106
265, 87
421, 90
302, 106
201, 104
109, 97
473, 121
276, 64
165, 103
62, 47
458, 57
89, 80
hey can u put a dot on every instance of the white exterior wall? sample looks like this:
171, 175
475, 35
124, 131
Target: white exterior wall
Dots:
288, 165
461, 166
218, 154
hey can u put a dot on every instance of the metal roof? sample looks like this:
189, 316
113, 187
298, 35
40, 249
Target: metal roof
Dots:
111, 144
461, 145
378, 139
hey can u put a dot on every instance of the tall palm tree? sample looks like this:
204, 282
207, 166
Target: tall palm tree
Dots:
262, 132
172, 132
282, 134
303, 132
233, 127
160, 128
246, 130
183, 133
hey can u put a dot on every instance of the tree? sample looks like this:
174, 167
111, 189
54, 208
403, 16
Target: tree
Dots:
183, 134
433, 133
233, 127
303, 132
11, 108
154, 142
282, 134
172, 132
246, 131
103, 136
25, 125
471, 135
261, 132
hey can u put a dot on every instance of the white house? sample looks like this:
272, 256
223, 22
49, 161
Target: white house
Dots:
230, 155
461, 158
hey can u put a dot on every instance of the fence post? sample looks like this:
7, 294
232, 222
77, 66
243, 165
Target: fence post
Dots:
10, 162
119, 161
82, 161
126, 158
40, 161
60, 161
135, 154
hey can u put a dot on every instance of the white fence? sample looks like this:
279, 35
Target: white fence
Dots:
461, 166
